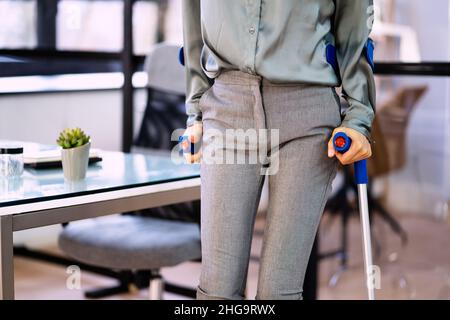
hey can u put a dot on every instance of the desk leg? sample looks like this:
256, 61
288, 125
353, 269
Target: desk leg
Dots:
6, 259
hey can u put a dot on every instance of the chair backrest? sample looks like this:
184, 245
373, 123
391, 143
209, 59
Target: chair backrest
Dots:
163, 70
392, 119
164, 113
165, 109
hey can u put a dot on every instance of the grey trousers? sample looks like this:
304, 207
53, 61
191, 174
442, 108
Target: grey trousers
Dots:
304, 116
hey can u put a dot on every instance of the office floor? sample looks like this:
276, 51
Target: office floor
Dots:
421, 270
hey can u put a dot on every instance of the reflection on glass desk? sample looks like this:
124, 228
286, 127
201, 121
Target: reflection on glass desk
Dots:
117, 171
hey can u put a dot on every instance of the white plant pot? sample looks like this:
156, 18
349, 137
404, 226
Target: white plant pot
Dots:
75, 162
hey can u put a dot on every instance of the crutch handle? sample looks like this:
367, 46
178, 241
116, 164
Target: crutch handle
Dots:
342, 143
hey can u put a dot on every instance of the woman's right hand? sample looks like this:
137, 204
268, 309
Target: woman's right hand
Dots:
194, 134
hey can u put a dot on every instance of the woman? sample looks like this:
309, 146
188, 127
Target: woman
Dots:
272, 65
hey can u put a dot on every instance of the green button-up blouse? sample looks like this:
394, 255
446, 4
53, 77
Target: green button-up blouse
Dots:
283, 41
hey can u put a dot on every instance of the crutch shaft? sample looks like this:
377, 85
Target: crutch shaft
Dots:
367, 242
342, 144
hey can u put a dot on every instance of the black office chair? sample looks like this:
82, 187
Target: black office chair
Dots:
133, 247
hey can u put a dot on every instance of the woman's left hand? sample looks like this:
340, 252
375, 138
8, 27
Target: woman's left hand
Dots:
359, 150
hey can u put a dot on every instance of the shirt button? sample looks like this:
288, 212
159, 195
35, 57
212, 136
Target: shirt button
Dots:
251, 30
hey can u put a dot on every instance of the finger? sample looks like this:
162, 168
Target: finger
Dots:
193, 158
195, 136
351, 153
360, 155
339, 157
188, 157
194, 133
365, 152
331, 151
197, 132
197, 157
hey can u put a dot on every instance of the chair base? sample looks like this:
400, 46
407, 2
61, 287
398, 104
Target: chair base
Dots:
339, 204
127, 279
106, 292
156, 288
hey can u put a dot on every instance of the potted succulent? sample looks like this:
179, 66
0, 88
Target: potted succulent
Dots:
75, 153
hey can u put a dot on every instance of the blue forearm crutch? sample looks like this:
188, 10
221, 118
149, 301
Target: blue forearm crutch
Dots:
341, 144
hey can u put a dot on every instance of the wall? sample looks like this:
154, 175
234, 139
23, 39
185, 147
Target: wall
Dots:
39, 117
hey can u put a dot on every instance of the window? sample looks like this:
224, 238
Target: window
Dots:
18, 24
98, 25
404, 31
411, 30
79, 36
89, 25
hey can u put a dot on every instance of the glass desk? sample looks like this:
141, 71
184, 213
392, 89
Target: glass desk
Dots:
119, 183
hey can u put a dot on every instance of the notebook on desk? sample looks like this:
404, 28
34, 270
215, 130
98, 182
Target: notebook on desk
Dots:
46, 156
